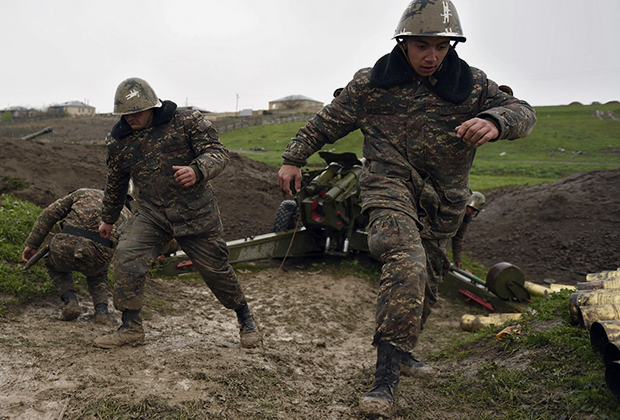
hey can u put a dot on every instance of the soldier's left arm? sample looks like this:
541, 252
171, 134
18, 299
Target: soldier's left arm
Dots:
514, 118
211, 155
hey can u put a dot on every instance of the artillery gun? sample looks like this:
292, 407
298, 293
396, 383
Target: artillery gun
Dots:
325, 218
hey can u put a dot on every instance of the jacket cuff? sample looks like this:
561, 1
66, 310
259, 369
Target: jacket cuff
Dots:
199, 175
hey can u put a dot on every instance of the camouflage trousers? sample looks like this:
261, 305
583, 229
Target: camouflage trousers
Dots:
142, 241
70, 253
411, 272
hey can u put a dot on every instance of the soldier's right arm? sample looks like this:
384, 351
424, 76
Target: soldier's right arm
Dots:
51, 215
117, 185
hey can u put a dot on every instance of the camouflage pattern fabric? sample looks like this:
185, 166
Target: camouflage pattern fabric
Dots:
458, 239
165, 209
81, 209
146, 156
415, 163
415, 179
142, 242
410, 276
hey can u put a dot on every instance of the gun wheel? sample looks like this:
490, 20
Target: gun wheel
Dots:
285, 216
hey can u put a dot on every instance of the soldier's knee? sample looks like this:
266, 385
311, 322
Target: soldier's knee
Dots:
391, 232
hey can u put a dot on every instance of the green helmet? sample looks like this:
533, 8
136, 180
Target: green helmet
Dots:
430, 18
477, 201
134, 95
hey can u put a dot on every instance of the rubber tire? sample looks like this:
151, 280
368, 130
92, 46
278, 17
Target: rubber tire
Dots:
285, 216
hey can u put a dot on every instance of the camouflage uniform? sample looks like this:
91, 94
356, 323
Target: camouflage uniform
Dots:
415, 180
165, 209
69, 252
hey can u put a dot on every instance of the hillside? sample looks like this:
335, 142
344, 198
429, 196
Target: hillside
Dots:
316, 316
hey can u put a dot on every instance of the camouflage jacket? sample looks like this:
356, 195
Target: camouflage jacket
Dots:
80, 209
175, 138
415, 163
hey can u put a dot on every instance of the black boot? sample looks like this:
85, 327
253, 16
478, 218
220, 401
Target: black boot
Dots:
380, 399
103, 315
72, 308
129, 333
248, 332
410, 366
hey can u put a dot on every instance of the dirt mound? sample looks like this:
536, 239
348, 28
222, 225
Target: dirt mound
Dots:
247, 191
549, 229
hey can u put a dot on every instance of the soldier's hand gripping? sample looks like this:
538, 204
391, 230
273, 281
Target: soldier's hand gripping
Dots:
184, 176
28, 253
286, 174
477, 131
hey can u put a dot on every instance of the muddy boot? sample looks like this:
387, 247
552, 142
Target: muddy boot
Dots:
130, 333
103, 315
250, 337
381, 397
410, 366
72, 308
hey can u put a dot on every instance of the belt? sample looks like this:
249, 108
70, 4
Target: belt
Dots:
72, 230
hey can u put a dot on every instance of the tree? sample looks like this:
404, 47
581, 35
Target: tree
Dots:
6, 116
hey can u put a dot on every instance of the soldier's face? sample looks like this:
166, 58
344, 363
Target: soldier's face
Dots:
139, 120
426, 53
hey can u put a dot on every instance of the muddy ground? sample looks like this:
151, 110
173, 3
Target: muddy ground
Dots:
316, 358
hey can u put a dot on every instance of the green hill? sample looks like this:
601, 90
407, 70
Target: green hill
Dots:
566, 140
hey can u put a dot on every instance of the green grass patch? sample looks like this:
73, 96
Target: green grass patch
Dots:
566, 140
16, 285
546, 372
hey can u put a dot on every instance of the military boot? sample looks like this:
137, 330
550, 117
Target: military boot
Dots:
103, 315
130, 333
250, 337
381, 397
410, 366
72, 308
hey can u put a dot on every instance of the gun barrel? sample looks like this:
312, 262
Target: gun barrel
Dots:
37, 134
345, 184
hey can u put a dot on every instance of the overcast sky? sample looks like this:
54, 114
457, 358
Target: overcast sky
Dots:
228, 55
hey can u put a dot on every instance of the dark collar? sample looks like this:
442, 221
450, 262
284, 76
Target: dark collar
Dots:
160, 116
453, 81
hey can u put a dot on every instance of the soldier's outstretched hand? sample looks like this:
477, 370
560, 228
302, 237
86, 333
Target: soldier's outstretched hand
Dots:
184, 176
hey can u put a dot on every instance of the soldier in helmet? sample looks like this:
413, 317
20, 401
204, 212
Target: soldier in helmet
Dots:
475, 205
77, 247
423, 113
170, 156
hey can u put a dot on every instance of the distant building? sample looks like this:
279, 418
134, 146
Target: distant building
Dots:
295, 103
19, 112
73, 108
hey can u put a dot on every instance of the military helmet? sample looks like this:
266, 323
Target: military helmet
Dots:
134, 95
477, 201
430, 18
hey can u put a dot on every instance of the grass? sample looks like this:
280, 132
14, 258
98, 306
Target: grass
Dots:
566, 140
557, 373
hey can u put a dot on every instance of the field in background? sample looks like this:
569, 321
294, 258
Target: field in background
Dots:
566, 140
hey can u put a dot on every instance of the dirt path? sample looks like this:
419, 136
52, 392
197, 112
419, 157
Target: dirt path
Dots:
315, 360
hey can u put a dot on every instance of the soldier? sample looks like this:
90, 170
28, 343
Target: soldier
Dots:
475, 205
423, 112
78, 247
171, 156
